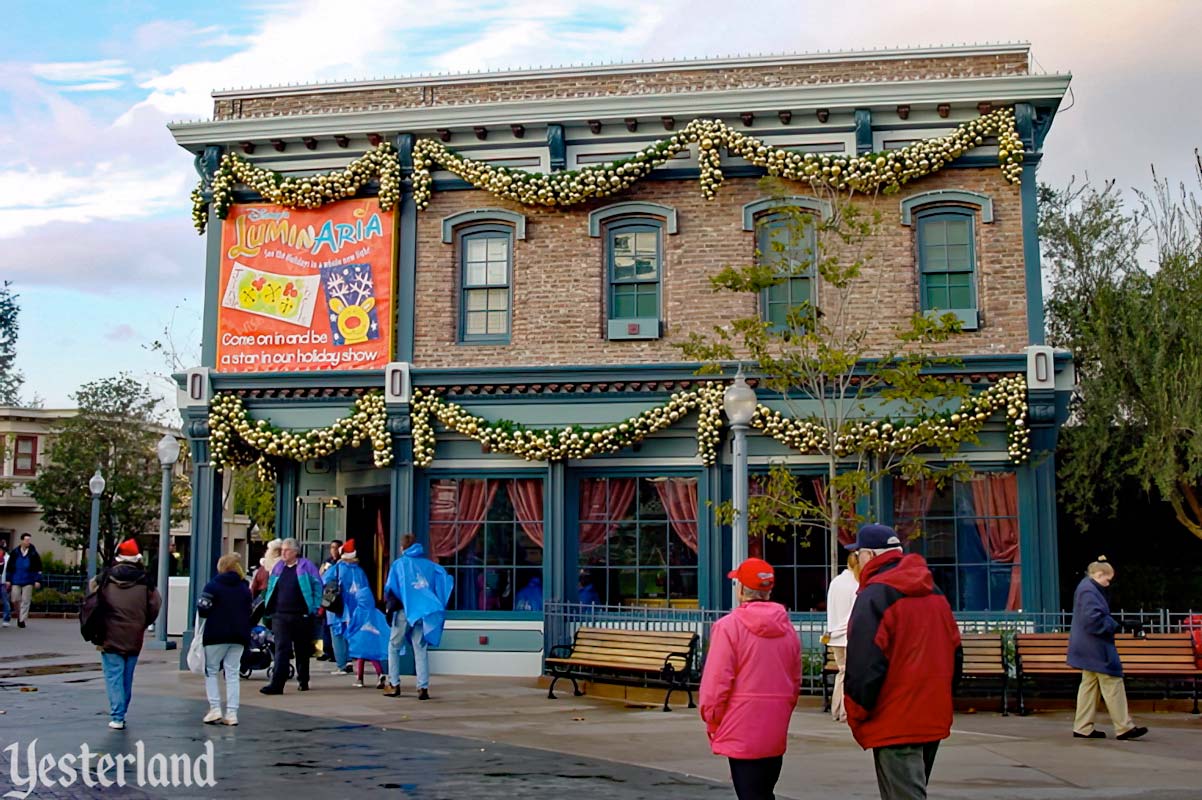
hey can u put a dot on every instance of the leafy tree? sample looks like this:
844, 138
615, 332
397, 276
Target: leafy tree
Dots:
113, 430
255, 498
10, 378
831, 368
1127, 300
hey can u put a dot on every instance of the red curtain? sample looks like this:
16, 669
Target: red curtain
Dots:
911, 503
996, 496
605, 499
457, 510
847, 531
526, 494
679, 496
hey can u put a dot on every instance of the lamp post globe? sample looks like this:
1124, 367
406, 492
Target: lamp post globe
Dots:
739, 402
168, 449
96, 484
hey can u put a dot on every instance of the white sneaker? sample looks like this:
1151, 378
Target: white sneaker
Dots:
4, 624
213, 717
338, 672
358, 684
230, 719
117, 726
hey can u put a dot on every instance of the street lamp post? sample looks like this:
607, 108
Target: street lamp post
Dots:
96, 487
739, 402
168, 449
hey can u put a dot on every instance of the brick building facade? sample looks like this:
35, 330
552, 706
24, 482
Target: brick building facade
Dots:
524, 313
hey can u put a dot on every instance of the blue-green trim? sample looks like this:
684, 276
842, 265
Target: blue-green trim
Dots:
863, 131
1025, 122
756, 207
947, 196
518, 221
208, 341
557, 148
599, 216
406, 280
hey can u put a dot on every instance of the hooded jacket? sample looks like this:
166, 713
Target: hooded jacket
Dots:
364, 626
751, 681
423, 588
903, 655
129, 605
228, 621
1091, 637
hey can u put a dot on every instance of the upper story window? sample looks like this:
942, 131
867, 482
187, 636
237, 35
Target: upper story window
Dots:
947, 263
25, 455
633, 233
486, 267
787, 242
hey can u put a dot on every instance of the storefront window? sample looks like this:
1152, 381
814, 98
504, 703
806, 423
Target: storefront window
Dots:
798, 553
637, 542
489, 536
968, 533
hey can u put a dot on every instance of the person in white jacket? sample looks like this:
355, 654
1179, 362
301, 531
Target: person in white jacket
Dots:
840, 597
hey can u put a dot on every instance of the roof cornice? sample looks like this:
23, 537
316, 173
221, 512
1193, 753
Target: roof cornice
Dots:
1001, 90
591, 70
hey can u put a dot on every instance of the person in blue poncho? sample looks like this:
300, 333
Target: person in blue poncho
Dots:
359, 622
417, 592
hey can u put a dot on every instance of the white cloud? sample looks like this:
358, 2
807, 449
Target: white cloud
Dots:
104, 71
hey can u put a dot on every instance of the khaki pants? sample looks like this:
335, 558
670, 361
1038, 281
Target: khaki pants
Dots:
837, 710
22, 596
1115, 695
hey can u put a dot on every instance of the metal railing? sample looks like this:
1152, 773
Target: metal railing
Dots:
562, 620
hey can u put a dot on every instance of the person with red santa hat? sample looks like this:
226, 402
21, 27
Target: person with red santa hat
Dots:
128, 605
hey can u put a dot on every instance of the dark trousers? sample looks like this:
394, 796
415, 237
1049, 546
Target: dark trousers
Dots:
293, 634
902, 771
755, 778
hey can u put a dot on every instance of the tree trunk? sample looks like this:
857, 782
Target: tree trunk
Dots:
832, 499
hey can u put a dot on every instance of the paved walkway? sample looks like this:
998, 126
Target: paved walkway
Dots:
600, 748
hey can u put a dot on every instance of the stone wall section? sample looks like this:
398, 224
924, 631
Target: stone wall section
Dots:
441, 92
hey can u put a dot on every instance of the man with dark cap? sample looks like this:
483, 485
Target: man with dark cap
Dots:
903, 659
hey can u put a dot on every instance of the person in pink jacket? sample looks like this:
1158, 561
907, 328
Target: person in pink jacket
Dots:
751, 682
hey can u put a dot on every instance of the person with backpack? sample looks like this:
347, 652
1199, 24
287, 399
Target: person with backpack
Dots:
22, 575
124, 603
225, 608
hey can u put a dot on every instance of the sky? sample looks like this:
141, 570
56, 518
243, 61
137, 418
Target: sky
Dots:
95, 229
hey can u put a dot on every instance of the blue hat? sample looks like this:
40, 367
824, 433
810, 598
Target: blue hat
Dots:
874, 536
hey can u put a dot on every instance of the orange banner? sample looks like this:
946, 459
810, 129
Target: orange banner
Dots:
306, 289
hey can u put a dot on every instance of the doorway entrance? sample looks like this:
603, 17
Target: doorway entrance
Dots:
367, 522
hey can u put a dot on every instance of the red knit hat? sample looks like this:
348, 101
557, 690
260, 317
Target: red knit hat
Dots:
129, 549
348, 549
755, 573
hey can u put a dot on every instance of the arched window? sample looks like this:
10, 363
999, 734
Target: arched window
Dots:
485, 280
786, 241
947, 263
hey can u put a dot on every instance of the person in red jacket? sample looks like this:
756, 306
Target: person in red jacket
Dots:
751, 682
903, 659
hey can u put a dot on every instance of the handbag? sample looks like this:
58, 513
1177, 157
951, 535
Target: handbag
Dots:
196, 651
331, 595
92, 613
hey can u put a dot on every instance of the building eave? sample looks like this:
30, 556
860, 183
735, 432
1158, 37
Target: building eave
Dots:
1001, 90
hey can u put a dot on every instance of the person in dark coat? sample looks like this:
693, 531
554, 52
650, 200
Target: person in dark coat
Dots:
22, 576
129, 604
1091, 649
903, 660
226, 635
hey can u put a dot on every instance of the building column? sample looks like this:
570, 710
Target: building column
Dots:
285, 499
1038, 542
206, 519
402, 479
560, 573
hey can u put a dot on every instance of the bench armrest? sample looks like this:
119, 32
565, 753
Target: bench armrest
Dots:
560, 651
686, 657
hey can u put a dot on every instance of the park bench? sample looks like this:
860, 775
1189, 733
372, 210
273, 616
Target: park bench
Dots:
984, 659
1157, 656
619, 655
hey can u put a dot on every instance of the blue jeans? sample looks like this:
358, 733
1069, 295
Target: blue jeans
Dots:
219, 657
340, 648
119, 681
402, 633
8, 608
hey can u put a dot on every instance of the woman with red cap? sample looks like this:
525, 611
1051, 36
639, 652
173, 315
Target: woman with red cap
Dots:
751, 683
129, 603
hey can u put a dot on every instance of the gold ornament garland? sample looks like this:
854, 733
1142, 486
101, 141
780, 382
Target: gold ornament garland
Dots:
885, 171
237, 440
942, 431
310, 191
569, 442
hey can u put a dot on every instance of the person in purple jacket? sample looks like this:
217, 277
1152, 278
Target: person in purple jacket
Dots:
1091, 649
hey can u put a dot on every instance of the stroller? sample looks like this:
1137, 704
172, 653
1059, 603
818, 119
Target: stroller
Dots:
260, 654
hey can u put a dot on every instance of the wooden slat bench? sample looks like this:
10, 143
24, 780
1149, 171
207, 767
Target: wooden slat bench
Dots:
666, 657
984, 658
1157, 656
